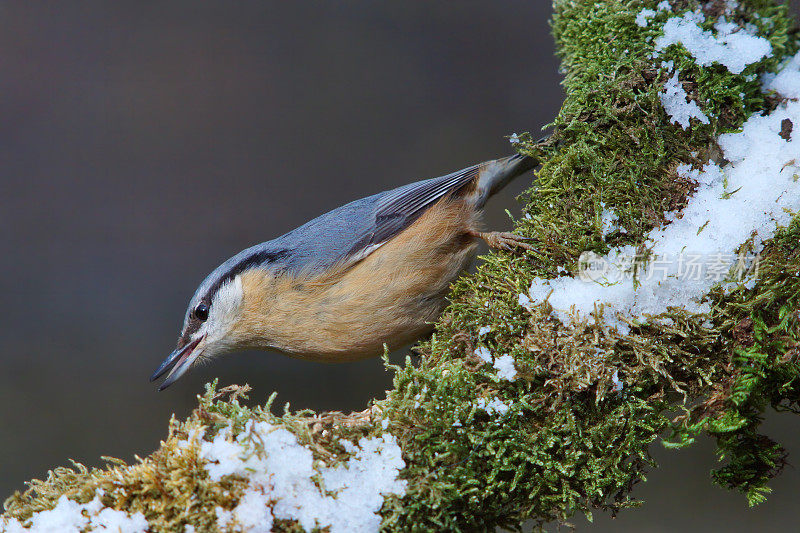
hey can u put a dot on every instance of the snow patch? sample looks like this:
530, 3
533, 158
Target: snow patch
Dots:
607, 219
505, 367
281, 476
757, 191
787, 81
732, 46
644, 16
483, 354
493, 406
678, 105
69, 516
504, 364
618, 385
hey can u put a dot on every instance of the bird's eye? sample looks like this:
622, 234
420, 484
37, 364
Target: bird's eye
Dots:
201, 312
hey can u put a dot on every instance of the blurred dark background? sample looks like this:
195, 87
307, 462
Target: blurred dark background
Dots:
142, 143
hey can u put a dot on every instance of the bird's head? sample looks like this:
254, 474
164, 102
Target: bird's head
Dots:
213, 324
207, 330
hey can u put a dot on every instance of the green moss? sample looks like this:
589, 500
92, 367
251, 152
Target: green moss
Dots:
572, 443
571, 440
171, 489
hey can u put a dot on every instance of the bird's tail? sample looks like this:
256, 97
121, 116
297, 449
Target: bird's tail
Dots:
498, 173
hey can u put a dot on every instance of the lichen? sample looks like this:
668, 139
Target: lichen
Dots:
587, 401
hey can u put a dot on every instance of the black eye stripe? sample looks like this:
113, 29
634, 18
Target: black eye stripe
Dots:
257, 258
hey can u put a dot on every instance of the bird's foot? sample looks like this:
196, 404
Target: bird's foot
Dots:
502, 240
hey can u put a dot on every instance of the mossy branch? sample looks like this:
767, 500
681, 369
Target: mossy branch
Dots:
587, 401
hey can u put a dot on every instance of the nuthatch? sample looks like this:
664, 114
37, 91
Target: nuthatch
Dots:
375, 271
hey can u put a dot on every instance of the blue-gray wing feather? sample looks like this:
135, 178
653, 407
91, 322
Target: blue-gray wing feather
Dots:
348, 231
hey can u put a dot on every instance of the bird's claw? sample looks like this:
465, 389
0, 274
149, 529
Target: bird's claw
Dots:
504, 240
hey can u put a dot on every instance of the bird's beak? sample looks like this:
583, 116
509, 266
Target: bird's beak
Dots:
177, 363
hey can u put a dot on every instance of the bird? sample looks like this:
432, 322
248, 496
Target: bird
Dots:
369, 275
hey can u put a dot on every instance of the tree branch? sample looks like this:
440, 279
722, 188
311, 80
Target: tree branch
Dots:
540, 393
